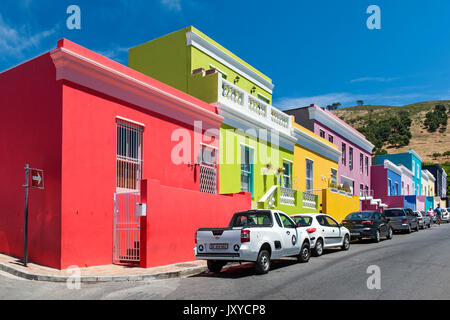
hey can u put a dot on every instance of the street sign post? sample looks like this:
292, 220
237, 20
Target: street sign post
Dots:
37, 181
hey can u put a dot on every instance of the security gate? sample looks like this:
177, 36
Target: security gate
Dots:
129, 159
127, 233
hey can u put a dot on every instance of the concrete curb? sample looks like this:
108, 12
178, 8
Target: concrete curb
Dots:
95, 279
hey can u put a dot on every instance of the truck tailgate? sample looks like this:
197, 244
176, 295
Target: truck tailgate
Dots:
220, 242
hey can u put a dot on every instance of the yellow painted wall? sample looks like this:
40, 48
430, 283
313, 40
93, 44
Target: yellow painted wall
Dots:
321, 168
339, 206
431, 188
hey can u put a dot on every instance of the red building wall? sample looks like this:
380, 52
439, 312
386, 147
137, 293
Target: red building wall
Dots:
171, 225
30, 133
69, 131
89, 174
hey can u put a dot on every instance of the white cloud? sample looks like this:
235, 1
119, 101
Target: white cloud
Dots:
118, 54
174, 5
374, 79
14, 42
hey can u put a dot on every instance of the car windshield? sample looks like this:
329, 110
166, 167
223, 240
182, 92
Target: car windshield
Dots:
252, 219
359, 215
394, 213
304, 221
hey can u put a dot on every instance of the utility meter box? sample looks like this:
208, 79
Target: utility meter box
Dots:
141, 209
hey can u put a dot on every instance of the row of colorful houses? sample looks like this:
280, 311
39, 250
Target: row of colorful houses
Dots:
189, 131
400, 180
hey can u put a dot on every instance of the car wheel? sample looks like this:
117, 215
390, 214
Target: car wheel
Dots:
377, 237
215, 266
262, 264
305, 253
346, 243
409, 229
318, 249
390, 234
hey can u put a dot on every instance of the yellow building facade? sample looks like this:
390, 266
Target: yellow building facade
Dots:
316, 171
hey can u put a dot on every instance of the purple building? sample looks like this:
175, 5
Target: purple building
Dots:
354, 165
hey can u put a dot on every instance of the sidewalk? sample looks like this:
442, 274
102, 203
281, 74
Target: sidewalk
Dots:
107, 273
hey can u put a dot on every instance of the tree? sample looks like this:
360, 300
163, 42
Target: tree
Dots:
333, 106
446, 154
436, 118
436, 155
360, 102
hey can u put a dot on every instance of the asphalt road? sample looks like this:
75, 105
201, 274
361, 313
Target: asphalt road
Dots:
414, 266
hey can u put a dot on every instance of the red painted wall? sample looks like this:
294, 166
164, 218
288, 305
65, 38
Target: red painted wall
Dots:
89, 180
30, 101
70, 132
171, 223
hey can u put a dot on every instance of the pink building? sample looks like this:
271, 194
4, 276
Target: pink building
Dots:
355, 162
407, 181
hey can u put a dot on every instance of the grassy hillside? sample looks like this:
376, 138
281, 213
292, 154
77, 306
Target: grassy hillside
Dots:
424, 142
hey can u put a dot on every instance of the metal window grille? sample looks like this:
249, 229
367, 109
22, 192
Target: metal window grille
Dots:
208, 170
208, 179
129, 156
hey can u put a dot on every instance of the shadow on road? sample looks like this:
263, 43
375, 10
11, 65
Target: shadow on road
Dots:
246, 269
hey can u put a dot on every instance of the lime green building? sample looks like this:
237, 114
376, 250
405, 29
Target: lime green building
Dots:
257, 140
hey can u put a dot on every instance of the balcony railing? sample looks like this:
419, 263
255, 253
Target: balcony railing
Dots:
287, 196
228, 92
309, 200
366, 194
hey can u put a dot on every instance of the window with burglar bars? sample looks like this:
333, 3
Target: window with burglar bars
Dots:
129, 156
208, 170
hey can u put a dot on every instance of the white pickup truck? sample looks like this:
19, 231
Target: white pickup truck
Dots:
256, 236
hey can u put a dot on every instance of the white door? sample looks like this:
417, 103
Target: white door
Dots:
330, 231
290, 236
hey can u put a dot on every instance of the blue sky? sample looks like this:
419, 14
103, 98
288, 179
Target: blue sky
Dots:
315, 51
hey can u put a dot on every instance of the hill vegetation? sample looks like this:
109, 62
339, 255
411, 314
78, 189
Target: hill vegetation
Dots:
421, 126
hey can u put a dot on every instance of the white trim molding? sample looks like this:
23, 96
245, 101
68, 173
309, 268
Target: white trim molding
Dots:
316, 113
411, 151
218, 54
389, 165
84, 71
314, 144
130, 121
406, 171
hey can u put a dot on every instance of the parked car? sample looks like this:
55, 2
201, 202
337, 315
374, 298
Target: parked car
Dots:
402, 219
324, 232
445, 215
425, 220
368, 224
257, 236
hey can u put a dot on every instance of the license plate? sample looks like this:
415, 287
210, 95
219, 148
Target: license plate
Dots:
218, 246
354, 234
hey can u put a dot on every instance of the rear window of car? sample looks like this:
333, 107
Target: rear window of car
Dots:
394, 213
304, 221
252, 219
359, 215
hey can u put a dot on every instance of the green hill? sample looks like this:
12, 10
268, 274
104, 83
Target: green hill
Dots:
422, 141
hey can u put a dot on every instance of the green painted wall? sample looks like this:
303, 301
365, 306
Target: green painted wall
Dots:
169, 60
165, 59
263, 154
201, 60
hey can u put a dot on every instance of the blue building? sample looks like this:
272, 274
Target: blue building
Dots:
410, 160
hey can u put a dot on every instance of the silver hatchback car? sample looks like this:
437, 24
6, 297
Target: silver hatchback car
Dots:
424, 219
